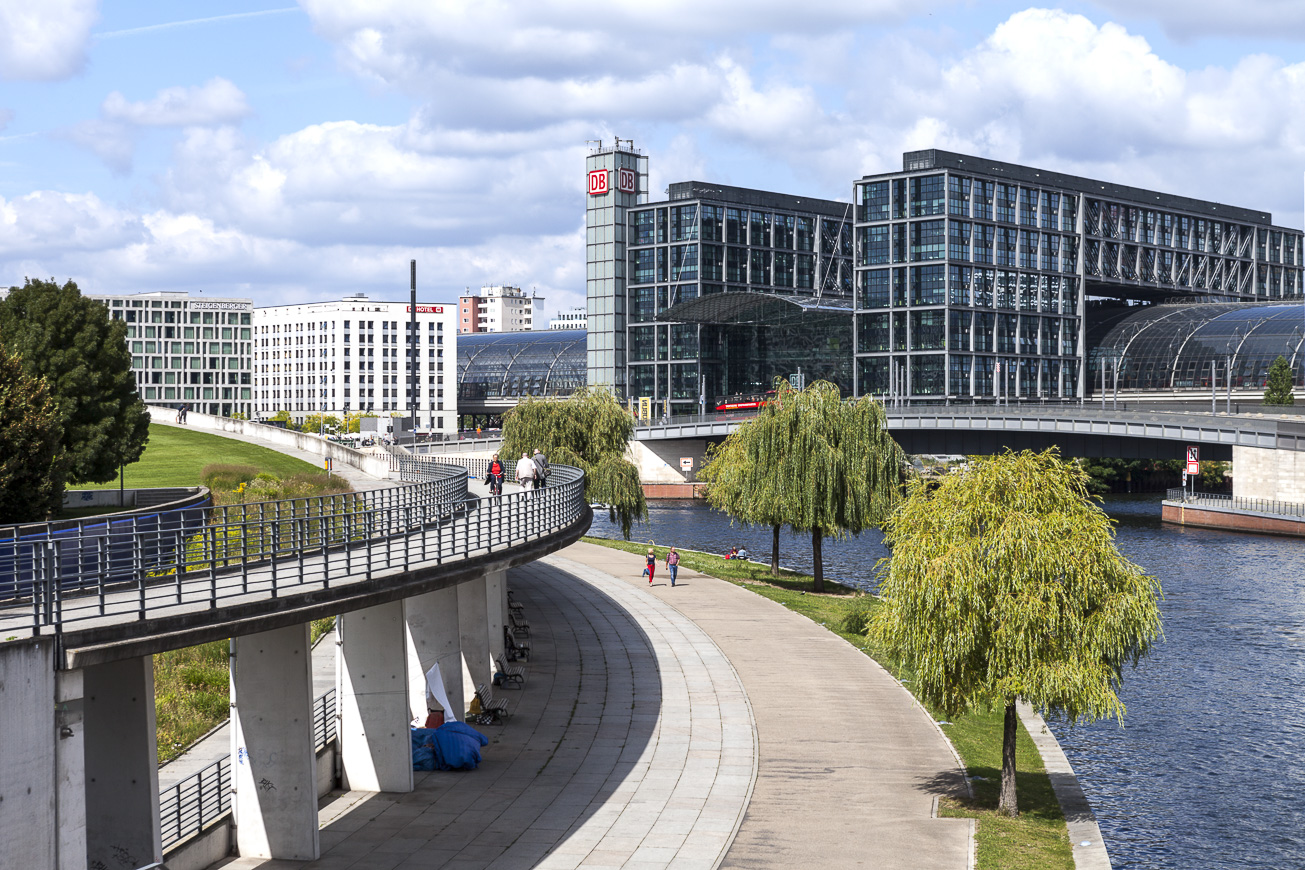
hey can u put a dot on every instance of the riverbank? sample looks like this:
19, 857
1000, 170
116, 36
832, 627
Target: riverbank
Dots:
1038, 838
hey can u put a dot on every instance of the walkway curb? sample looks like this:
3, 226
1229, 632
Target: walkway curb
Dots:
1084, 835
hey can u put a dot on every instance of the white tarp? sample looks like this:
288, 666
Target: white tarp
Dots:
435, 689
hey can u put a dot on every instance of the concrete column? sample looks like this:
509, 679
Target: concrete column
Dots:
122, 775
274, 773
29, 824
496, 612
70, 768
372, 697
433, 638
473, 626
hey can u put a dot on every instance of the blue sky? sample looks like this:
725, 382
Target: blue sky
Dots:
301, 152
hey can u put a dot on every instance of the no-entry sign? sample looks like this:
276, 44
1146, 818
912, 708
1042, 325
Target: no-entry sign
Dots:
1193, 460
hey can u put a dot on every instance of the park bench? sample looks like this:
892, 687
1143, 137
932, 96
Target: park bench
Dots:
511, 673
492, 710
520, 628
513, 648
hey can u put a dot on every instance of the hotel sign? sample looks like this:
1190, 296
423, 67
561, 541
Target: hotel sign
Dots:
426, 309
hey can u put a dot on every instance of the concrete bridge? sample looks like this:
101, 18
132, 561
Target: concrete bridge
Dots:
416, 574
1267, 450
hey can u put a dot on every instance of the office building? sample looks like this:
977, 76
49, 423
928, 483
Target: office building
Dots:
352, 356
188, 350
499, 308
980, 279
573, 318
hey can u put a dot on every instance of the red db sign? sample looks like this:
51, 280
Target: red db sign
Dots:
625, 180
597, 182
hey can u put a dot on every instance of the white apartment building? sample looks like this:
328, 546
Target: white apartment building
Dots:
352, 356
499, 308
574, 318
188, 350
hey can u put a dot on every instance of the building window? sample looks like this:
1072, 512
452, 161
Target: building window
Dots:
927, 196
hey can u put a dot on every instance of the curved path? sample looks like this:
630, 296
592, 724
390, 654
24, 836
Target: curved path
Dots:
695, 727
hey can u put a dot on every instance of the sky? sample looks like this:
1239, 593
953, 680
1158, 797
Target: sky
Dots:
302, 153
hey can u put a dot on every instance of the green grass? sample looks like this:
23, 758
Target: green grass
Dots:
1035, 840
174, 457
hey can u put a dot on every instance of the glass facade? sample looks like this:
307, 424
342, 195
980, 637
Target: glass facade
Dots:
756, 248
972, 275
1178, 347
518, 364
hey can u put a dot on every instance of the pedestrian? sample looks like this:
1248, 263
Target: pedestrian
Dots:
525, 472
179, 415
541, 469
672, 564
185, 411
652, 565
495, 476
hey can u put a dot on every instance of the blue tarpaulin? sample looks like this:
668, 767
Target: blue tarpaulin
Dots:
452, 746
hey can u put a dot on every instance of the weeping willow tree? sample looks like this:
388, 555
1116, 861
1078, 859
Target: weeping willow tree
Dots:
1005, 583
811, 461
590, 431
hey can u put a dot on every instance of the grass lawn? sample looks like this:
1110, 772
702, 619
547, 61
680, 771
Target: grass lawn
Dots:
1035, 840
174, 457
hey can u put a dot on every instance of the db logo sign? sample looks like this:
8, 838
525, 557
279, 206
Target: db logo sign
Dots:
625, 181
597, 182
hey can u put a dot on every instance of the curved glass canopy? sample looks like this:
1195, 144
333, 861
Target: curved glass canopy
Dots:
1174, 347
513, 365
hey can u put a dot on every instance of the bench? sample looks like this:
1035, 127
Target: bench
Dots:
515, 606
511, 673
515, 649
492, 710
520, 628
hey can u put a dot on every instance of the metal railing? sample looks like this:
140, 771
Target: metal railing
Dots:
204, 797
248, 552
1231, 502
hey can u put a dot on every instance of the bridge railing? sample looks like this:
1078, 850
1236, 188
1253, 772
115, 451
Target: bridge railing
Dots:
1219, 500
245, 553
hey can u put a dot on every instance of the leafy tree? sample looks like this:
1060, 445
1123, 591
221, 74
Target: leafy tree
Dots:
31, 465
316, 423
813, 461
1277, 389
1005, 583
285, 418
70, 341
590, 431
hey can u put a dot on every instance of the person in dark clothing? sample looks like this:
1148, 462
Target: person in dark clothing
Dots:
495, 476
541, 468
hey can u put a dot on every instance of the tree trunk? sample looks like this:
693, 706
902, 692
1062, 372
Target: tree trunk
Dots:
817, 563
1009, 802
774, 550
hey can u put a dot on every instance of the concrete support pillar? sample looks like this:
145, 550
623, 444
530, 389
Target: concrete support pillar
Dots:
496, 611
1275, 475
473, 628
29, 823
70, 768
433, 638
122, 777
372, 697
274, 769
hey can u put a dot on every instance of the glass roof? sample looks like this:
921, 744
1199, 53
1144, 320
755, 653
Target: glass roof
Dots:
1173, 347
751, 308
512, 365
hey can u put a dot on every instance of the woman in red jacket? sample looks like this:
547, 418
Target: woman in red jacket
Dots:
495, 476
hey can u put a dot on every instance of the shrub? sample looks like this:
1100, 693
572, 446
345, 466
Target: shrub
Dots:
222, 477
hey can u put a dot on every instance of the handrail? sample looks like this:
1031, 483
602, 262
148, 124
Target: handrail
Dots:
245, 553
1236, 502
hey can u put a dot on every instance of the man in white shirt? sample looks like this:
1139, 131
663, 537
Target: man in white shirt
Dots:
525, 472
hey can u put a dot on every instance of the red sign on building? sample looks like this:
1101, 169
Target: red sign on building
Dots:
426, 309
597, 182
625, 180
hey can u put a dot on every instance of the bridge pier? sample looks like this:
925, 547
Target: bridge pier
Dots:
121, 764
274, 767
29, 823
496, 611
473, 631
433, 638
372, 697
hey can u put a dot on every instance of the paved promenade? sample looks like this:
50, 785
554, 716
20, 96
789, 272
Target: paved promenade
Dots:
694, 727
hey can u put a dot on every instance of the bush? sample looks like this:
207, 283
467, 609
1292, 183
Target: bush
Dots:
221, 477
857, 617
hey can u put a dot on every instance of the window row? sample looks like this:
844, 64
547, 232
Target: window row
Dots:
962, 375
978, 331
739, 226
965, 285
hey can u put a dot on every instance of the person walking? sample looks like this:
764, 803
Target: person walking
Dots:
672, 564
525, 472
495, 476
541, 469
652, 565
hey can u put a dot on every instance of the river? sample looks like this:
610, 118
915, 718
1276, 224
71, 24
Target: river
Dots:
1208, 770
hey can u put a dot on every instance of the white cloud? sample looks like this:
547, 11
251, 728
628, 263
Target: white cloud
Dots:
46, 40
1188, 19
112, 142
48, 222
215, 102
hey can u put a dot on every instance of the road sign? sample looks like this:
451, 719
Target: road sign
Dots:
686, 463
1193, 460
1184, 478
797, 381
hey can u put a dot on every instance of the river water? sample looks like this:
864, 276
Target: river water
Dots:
1208, 770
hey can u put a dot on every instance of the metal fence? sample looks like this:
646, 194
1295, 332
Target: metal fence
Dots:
249, 552
1230, 502
204, 797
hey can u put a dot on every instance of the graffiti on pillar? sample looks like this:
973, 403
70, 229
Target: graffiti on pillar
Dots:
241, 755
265, 784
